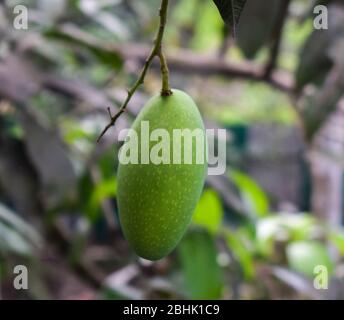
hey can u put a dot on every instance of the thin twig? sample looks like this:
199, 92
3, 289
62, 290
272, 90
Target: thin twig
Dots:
156, 51
165, 91
225, 44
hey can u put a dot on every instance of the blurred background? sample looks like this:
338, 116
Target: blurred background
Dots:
258, 231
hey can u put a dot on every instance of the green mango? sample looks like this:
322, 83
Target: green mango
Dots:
156, 200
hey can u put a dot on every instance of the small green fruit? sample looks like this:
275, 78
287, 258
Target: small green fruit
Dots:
156, 201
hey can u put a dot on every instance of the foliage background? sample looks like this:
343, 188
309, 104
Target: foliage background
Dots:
258, 231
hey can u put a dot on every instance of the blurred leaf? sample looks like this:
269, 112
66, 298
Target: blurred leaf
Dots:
315, 58
3, 20
317, 105
52, 9
283, 227
18, 81
94, 10
77, 132
230, 10
301, 226
79, 91
202, 274
12, 219
118, 284
184, 12
49, 156
314, 63
337, 238
209, 211
95, 193
79, 135
296, 281
255, 199
267, 231
107, 163
16, 236
256, 102
236, 241
105, 189
304, 256
206, 36
256, 25
13, 242
18, 178
85, 189
71, 34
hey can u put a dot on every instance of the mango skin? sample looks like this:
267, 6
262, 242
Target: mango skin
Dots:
156, 202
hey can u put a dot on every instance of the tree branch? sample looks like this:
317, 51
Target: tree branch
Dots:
186, 61
156, 51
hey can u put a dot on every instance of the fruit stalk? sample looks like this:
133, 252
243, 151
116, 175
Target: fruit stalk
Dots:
166, 90
155, 52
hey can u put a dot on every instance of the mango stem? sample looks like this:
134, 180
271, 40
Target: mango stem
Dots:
155, 52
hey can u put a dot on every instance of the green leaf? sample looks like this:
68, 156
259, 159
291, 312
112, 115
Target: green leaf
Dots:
103, 190
74, 132
255, 199
236, 241
209, 211
230, 11
337, 238
286, 227
198, 257
304, 256
206, 36
300, 226
267, 231
259, 16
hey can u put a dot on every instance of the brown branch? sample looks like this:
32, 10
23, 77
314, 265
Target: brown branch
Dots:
277, 37
186, 61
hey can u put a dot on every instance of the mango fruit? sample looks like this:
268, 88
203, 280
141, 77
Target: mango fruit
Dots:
156, 200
